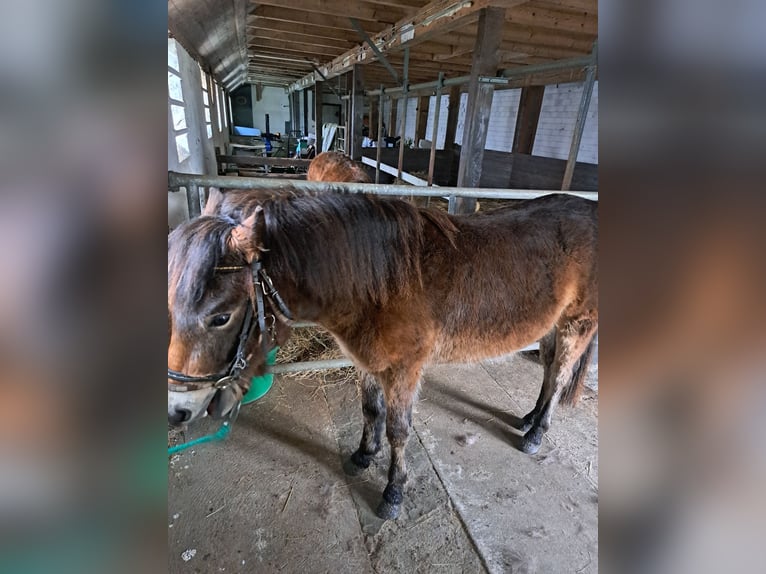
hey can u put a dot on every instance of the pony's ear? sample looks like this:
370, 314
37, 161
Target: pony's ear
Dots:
245, 237
214, 199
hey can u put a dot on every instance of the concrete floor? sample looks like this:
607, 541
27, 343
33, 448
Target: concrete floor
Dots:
273, 497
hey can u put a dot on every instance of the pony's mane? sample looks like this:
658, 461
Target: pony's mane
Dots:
195, 249
343, 246
334, 244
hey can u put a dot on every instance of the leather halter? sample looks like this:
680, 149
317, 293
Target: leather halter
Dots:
260, 286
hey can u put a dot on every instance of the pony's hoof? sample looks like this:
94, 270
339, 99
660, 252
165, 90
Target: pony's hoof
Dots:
531, 441
388, 511
356, 464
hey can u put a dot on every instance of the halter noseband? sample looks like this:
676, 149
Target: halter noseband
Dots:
262, 285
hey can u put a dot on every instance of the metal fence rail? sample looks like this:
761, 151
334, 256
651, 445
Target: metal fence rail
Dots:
192, 182
177, 180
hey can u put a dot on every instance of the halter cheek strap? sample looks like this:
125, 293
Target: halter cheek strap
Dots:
259, 286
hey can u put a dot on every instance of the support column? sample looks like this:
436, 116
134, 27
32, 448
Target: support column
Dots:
435, 133
318, 114
582, 113
453, 111
305, 112
357, 112
530, 104
380, 135
392, 117
484, 63
405, 86
421, 118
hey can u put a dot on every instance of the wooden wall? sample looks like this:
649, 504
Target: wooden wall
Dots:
499, 169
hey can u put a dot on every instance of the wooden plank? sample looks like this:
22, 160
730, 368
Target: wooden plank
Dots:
309, 20
357, 112
551, 19
253, 161
421, 118
530, 104
452, 115
318, 121
300, 39
485, 59
358, 10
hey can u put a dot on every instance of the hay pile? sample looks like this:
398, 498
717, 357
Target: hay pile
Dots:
315, 344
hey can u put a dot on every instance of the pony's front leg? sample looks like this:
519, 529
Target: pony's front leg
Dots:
398, 420
399, 398
374, 411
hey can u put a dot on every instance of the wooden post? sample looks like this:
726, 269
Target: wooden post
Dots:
406, 81
305, 112
380, 135
484, 63
357, 112
452, 114
392, 117
582, 113
435, 132
530, 104
318, 114
421, 118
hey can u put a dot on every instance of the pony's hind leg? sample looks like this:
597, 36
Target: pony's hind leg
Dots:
547, 354
374, 411
565, 377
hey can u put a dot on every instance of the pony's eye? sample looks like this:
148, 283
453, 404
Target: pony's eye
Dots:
220, 320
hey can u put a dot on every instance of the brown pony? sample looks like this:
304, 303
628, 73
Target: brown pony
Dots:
399, 288
334, 166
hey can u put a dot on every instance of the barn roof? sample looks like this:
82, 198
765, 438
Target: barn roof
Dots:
293, 43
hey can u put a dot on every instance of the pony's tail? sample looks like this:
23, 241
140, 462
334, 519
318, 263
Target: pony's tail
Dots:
571, 393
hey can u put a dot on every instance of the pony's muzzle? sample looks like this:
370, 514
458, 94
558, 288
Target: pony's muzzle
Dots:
186, 407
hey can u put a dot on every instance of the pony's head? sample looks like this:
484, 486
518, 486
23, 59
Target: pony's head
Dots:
213, 324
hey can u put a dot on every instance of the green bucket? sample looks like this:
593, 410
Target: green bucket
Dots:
259, 386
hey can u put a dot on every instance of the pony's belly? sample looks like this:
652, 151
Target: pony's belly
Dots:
474, 347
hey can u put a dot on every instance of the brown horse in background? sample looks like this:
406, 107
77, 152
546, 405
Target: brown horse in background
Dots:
398, 287
334, 166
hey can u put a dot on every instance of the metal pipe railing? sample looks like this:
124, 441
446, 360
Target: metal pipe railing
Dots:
176, 180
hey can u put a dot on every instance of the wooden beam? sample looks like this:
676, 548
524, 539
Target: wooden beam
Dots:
530, 104
381, 58
281, 47
357, 112
253, 161
434, 20
318, 121
305, 112
452, 116
421, 118
488, 40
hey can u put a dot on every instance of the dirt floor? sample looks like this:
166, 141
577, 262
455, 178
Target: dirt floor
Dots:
273, 496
